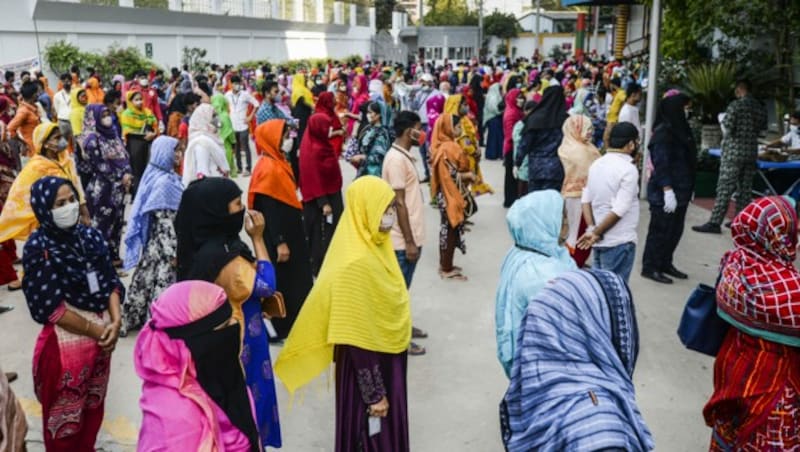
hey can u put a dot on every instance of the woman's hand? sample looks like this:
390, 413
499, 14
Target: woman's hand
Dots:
358, 159
127, 181
254, 224
149, 136
327, 210
283, 253
380, 409
108, 340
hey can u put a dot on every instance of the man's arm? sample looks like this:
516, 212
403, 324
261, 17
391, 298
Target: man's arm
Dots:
412, 251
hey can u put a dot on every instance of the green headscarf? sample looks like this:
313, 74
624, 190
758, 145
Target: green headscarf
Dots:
226, 134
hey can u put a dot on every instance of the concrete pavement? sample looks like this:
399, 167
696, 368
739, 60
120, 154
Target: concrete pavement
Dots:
454, 390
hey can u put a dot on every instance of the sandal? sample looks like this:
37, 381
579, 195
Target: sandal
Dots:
454, 275
417, 333
455, 268
14, 286
416, 350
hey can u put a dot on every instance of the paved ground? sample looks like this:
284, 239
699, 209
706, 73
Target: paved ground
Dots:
454, 391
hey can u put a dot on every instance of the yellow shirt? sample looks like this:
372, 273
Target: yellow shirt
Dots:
616, 107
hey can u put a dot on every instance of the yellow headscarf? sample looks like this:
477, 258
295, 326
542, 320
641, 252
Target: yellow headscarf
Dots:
17, 220
360, 297
299, 89
77, 111
469, 135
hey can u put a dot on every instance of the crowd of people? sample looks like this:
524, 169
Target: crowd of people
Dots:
326, 274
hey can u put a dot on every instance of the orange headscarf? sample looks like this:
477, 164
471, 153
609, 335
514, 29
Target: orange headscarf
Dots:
273, 174
446, 154
94, 93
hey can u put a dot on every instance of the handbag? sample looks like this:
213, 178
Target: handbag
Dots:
470, 206
274, 307
701, 328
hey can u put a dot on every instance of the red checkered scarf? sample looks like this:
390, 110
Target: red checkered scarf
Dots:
760, 287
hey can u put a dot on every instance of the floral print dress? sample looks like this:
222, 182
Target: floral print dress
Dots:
155, 272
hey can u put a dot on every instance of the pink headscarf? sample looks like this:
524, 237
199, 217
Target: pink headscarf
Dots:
175, 407
434, 108
511, 115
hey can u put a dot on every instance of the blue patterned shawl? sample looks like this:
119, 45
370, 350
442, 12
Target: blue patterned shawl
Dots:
571, 386
534, 222
160, 189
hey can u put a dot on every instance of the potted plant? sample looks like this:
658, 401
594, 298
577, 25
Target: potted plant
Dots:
711, 86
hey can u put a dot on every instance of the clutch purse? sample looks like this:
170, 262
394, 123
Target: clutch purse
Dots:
274, 306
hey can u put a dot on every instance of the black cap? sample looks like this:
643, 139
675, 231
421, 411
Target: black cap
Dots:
622, 134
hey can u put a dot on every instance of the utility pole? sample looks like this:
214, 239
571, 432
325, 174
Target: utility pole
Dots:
538, 15
596, 26
480, 29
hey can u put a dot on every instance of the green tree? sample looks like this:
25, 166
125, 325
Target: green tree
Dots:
60, 55
449, 12
383, 13
195, 58
502, 25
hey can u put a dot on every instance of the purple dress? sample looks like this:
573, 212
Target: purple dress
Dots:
362, 379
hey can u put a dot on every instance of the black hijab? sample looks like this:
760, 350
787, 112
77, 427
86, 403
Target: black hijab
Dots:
477, 89
208, 236
671, 125
216, 360
550, 113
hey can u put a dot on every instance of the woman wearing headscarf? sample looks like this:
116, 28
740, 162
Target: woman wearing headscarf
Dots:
109, 175
94, 94
138, 131
205, 153
320, 179
670, 188
177, 111
449, 164
194, 395
374, 141
754, 405
150, 241
476, 93
360, 98
515, 100
78, 103
225, 132
208, 223
273, 192
358, 315
541, 138
493, 122
9, 168
17, 219
577, 153
576, 394
537, 224
302, 101
468, 141
72, 290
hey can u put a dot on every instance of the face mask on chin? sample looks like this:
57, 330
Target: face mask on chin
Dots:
387, 221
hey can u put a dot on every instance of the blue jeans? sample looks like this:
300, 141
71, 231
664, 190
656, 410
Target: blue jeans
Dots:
407, 267
618, 259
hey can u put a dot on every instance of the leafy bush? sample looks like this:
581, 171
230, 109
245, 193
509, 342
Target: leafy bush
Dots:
60, 55
194, 58
294, 65
711, 86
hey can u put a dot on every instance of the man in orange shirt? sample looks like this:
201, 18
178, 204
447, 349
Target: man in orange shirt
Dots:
27, 117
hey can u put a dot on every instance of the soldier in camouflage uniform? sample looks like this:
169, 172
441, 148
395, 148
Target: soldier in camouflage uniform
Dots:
744, 119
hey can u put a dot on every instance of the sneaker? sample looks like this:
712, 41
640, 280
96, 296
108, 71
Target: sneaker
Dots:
708, 228
244, 173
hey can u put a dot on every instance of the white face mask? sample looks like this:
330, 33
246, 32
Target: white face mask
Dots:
387, 221
144, 82
107, 121
287, 145
66, 216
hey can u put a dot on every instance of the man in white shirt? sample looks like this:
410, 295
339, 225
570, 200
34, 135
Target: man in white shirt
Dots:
238, 100
62, 107
408, 232
630, 110
611, 196
791, 140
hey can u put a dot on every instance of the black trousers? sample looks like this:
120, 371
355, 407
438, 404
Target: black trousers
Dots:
663, 236
318, 230
510, 187
139, 153
243, 147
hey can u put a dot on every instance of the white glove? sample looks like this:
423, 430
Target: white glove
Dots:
670, 202
515, 171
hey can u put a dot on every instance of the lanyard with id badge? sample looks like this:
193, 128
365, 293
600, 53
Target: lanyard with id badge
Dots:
91, 275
